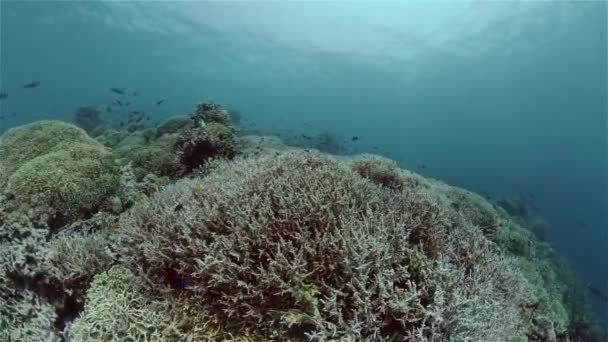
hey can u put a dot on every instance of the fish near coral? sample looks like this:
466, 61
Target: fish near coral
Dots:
32, 84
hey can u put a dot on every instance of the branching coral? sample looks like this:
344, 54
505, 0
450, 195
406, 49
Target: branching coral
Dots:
379, 170
116, 310
298, 244
72, 259
211, 136
28, 319
21, 251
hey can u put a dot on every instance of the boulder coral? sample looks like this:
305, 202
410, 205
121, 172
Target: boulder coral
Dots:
67, 184
298, 244
24, 143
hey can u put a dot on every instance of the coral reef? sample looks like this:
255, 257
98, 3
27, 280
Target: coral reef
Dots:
21, 144
212, 136
379, 170
68, 184
3, 176
87, 118
117, 311
298, 244
250, 145
100, 240
174, 124
149, 157
28, 319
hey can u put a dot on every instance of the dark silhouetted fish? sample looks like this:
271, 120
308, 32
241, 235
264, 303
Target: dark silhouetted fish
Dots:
598, 293
135, 93
127, 103
422, 166
353, 139
108, 109
32, 84
179, 207
135, 112
118, 102
122, 124
158, 103
306, 137
3, 96
117, 91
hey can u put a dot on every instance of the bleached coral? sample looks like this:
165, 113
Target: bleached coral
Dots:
117, 311
298, 244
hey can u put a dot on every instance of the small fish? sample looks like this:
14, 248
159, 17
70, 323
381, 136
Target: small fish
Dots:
117, 91
118, 102
135, 112
135, 93
179, 207
532, 306
422, 166
306, 137
122, 124
127, 104
158, 103
3, 96
186, 283
353, 139
374, 147
108, 109
31, 85
148, 118
598, 293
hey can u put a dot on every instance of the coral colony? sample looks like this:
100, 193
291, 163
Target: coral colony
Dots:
189, 230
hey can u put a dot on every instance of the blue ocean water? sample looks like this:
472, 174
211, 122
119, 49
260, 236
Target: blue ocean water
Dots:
504, 98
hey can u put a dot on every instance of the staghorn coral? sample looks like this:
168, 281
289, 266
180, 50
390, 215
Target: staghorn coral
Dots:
116, 310
21, 251
3, 176
28, 319
23, 315
71, 261
379, 170
68, 184
298, 244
